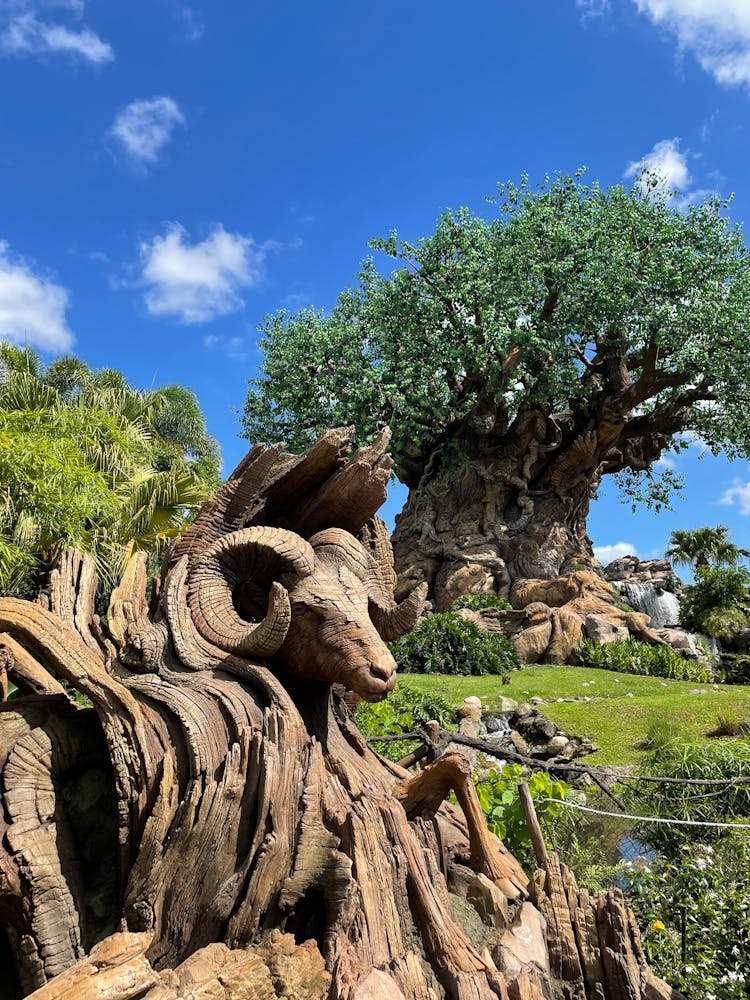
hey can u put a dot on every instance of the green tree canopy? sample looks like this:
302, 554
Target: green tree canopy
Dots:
573, 298
87, 460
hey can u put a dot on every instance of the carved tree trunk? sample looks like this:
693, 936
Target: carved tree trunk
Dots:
490, 519
214, 824
212, 796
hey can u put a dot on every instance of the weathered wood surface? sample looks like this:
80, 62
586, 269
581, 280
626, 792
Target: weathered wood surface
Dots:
593, 940
217, 791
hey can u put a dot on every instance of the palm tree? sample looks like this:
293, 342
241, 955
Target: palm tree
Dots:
87, 460
698, 547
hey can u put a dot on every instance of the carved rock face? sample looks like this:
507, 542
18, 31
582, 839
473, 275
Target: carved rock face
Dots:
331, 636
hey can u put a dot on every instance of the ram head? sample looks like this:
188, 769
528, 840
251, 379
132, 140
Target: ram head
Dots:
323, 609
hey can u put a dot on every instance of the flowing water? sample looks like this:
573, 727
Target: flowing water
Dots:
661, 605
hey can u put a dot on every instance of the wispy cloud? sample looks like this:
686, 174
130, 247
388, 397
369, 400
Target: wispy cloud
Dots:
235, 348
192, 26
24, 33
738, 494
665, 462
716, 32
32, 307
593, 8
608, 553
144, 128
196, 282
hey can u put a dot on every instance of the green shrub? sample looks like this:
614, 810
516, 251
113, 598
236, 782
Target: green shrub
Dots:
718, 760
710, 887
660, 730
735, 668
724, 623
403, 711
632, 657
478, 602
448, 644
716, 588
501, 805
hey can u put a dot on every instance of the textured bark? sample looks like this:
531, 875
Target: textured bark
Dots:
230, 793
495, 503
594, 943
187, 807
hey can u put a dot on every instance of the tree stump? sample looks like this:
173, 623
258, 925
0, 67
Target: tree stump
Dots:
185, 777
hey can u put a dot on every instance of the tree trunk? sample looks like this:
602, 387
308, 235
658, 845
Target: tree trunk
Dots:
209, 795
488, 520
186, 807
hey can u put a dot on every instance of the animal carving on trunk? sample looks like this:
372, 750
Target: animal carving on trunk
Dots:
306, 605
217, 792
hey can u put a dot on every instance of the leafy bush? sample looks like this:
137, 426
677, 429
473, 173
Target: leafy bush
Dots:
719, 760
401, 712
448, 644
716, 589
735, 668
501, 805
724, 623
708, 887
632, 657
478, 602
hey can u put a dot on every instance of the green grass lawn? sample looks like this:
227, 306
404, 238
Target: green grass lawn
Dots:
615, 722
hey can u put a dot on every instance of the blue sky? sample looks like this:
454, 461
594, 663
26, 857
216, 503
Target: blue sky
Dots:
171, 173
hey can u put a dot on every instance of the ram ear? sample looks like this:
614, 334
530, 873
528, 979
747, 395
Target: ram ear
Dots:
259, 558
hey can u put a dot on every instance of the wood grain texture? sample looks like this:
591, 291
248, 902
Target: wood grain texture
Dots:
233, 797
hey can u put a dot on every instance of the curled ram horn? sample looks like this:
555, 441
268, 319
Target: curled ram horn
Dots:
247, 557
399, 618
339, 546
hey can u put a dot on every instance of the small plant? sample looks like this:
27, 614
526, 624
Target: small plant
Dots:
403, 711
632, 657
478, 602
728, 724
448, 644
703, 889
660, 730
501, 805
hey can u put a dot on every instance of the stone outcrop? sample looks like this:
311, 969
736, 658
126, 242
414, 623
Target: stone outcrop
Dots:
549, 618
630, 569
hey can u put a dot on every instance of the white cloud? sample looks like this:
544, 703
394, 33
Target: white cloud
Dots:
234, 347
197, 282
32, 308
717, 32
666, 165
665, 462
608, 553
739, 494
23, 33
144, 128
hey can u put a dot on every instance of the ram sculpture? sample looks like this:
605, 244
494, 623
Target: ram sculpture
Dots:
184, 794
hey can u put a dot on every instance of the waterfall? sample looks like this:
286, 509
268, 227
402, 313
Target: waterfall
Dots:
650, 598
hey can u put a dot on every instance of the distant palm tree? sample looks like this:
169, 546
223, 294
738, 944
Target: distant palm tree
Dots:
702, 546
